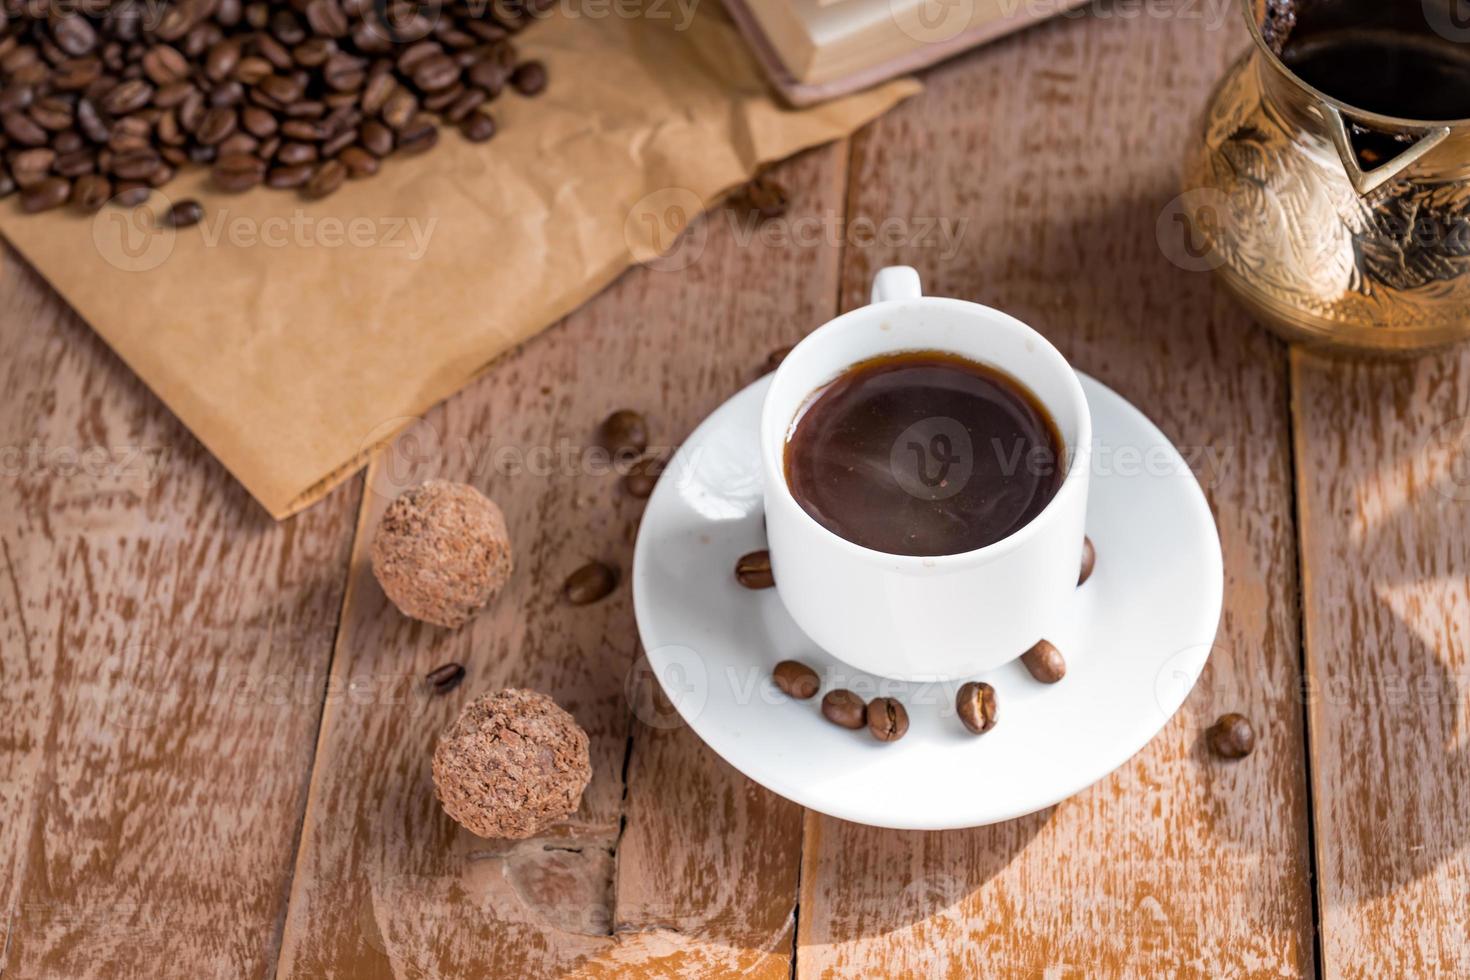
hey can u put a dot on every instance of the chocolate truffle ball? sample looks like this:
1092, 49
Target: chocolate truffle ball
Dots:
441, 552
511, 765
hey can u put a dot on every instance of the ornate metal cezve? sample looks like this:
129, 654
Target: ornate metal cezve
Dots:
1334, 225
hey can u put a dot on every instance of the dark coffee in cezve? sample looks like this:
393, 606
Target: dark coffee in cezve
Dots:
923, 453
1391, 57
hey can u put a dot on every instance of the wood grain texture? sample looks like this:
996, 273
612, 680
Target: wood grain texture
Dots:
164, 651
1383, 456
703, 879
1056, 150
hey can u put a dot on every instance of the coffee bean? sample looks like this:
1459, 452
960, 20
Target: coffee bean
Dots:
16, 98
766, 198
76, 74
164, 65
1232, 737
45, 195
643, 476
52, 113
127, 98
359, 162
796, 679
418, 136
590, 583
217, 82
754, 570
130, 193
218, 124
327, 179
975, 704
91, 192
185, 214
1089, 559
7, 186
442, 680
888, 720
435, 73
400, 109
236, 172
74, 34
1045, 662
258, 122
136, 164
290, 154
22, 130
378, 90
326, 18
623, 433
529, 78
842, 707
30, 167
775, 357
478, 126
377, 139
287, 178
223, 60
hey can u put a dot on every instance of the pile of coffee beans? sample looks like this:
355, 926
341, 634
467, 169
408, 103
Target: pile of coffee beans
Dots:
103, 100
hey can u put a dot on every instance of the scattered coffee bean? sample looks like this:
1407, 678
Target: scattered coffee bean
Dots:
754, 570
888, 720
130, 194
442, 680
766, 198
796, 679
185, 214
975, 704
1045, 662
529, 78
842, 707
1089, 558
775, 357
590, 583
643, 476
623, 433
1232, 737
478, 126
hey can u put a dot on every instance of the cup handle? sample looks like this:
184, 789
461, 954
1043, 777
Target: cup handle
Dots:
896, 282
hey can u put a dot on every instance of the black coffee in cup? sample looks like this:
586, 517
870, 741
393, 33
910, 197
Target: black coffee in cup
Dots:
923, 453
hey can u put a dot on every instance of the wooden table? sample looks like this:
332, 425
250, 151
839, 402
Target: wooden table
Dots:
215, 743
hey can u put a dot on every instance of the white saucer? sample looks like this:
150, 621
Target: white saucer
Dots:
1134, 642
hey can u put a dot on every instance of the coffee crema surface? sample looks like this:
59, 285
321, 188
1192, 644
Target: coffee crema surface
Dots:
923, 453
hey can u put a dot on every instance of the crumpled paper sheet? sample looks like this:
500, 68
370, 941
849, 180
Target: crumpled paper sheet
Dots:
293, 337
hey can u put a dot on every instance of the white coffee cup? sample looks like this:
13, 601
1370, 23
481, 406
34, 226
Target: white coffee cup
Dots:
926, 618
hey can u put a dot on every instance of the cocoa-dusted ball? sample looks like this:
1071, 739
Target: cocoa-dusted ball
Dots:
511, 765
442, 552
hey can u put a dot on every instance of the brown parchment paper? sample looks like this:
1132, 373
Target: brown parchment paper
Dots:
292, 337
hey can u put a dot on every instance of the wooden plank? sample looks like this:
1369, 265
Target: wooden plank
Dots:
1383, 473
1057, 149
703, 878
164, 651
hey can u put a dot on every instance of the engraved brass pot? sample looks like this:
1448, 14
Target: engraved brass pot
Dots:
1322, 242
